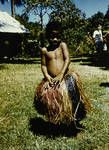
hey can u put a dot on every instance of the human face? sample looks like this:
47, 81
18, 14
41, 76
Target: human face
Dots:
55, 38
99, 27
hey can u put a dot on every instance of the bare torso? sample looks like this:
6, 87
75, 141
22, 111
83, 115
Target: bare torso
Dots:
54, 61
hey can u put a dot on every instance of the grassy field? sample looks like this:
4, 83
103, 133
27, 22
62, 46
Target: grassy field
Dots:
21, 128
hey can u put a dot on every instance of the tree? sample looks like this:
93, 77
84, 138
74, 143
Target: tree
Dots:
72, 20
13, 3
38, 7
94, 20
107, 13
106, 19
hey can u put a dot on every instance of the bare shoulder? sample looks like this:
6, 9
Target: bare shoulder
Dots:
63, 45
43, 50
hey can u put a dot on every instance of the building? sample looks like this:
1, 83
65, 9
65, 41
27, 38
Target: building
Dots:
11, 33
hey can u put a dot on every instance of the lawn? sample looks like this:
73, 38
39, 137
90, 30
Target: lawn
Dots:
21, 128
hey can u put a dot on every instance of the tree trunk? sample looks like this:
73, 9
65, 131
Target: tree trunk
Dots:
12, 8
41, 17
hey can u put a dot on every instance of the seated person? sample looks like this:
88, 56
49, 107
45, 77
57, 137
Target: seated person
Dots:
59, 96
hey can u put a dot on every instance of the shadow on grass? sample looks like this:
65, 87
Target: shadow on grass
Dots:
2, 67
20, 61
105, 84
40, 127
97, 60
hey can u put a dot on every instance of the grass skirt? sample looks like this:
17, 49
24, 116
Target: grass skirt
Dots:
62, 103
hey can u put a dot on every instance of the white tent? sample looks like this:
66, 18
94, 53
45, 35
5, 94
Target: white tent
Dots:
9, 24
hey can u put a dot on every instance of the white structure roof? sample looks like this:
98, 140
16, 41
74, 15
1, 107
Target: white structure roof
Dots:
9, 24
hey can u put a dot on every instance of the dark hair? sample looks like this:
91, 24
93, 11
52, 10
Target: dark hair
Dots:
54, 25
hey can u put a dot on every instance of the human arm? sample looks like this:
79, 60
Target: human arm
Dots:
93, 36
43, 65
66, 57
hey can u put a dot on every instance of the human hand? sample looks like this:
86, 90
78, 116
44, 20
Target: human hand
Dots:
48, 83
58, 78
49, 79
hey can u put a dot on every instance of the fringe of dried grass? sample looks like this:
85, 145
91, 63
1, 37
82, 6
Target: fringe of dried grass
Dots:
59, 108
83, 98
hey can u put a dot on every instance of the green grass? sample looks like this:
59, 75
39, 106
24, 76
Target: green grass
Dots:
20, 128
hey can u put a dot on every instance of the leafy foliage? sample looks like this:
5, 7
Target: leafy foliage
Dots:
72, 20
93, 22
38, 7
106, 20
76, 28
